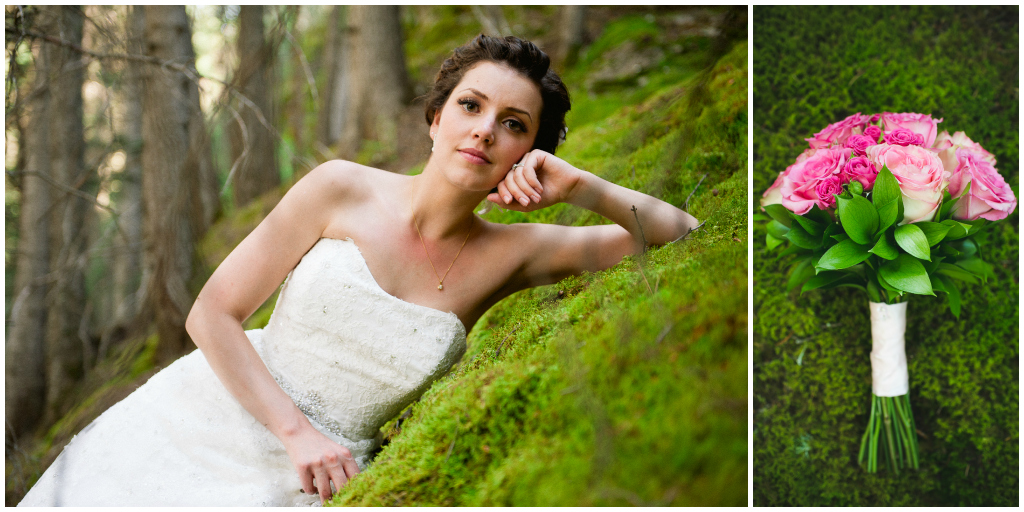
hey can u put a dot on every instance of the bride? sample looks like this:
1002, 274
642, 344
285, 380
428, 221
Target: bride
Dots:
385, 273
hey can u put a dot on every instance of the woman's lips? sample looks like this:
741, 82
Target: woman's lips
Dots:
474, 156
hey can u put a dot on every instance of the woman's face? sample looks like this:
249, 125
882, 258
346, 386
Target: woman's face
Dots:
488, 123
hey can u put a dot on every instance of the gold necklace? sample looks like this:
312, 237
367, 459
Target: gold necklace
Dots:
440, 279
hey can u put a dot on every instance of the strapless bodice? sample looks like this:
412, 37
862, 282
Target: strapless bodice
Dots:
349, 354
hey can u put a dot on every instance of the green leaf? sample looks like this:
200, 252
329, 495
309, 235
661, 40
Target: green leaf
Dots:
886, 189
873, 292
933, 231
947, 202
839, 237
956, 273
885, 247
759, 217
977, 267
906, 273
802, 238
957, 230
777, 229
771, 241
819, 216
952, 293
846, 253
859, 219
792, 249
966, 248
913, 240
884, 284
801, 272
822, 279
887, 214
779, 213
809, 225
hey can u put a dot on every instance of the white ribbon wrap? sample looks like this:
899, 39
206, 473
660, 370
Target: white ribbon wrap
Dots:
888, 357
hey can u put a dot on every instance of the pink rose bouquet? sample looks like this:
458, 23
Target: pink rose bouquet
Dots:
885, 204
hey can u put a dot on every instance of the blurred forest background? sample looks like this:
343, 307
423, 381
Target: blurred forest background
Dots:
143, 143
812, 375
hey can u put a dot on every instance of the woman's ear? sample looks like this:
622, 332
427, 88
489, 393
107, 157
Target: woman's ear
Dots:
436, 123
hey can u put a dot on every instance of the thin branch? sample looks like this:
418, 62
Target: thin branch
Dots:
642, 237
686, 205
305, 68
691, 230
640, 260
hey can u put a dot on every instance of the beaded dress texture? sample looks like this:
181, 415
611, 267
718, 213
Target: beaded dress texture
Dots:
350, 356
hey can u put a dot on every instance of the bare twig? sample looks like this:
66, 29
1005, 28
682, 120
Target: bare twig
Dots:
686, 205
642, 237
305, 67
507, 336
691, 230
639, 261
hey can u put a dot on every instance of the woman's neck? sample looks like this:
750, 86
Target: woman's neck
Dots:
439, 209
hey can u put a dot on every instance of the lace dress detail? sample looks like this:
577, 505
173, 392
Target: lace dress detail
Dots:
350, 356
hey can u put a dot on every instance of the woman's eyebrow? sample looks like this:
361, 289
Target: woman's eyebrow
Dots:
484, 96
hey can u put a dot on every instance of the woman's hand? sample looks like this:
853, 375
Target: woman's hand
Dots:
539, 180
317, 457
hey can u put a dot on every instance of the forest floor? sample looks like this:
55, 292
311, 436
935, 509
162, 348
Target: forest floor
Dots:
622, 387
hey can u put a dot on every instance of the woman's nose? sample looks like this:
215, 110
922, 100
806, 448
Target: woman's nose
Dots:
484, 130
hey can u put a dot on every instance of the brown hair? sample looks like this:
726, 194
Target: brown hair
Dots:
520, 55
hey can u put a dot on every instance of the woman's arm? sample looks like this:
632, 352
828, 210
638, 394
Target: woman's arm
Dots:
240, 284
554, 252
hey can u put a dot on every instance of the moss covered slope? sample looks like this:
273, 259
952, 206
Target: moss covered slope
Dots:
814, 66
600, 390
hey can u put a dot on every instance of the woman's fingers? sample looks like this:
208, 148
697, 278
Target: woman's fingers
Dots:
513, 187
307, 482
526, 178
350, 467
323, 483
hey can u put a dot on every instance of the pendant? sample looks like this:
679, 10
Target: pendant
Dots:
440, 287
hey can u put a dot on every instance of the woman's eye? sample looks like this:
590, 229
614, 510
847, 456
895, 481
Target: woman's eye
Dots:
515, 126
469, 105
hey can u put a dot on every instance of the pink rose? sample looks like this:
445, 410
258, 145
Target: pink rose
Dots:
946, 146
826, 190
874, 132
989, 197
904, 137
836, 134
800, 189
922, 124
920, 174
860, 169
774, 193
859, 143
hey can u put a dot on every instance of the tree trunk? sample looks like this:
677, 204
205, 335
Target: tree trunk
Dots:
127, 260
380, 84
252, 141
174, 156
69, 236
336, 91
24, 363
573, 31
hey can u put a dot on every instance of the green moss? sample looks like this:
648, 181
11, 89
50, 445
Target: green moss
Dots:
598, 390
815, 66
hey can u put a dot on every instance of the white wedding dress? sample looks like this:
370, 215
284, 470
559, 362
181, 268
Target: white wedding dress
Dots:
350, 355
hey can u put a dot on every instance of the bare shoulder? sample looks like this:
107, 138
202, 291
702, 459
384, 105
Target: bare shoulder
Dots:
340, 179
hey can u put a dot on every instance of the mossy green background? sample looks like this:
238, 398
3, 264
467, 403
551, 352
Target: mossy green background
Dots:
812, 378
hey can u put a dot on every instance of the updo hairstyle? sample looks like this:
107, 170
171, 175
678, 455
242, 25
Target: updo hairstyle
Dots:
520, 55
